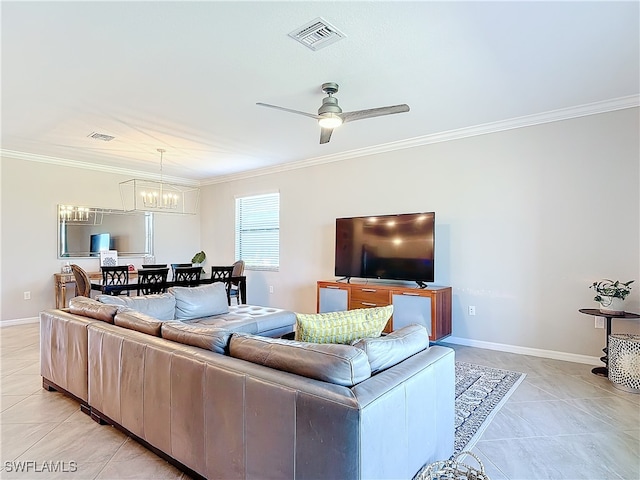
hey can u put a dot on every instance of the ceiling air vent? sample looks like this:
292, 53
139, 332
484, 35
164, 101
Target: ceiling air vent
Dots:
317, 34
101, 136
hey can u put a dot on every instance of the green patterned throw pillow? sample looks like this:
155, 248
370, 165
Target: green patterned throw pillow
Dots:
342, 327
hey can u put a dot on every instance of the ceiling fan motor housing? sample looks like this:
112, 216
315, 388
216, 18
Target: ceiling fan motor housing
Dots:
329, 105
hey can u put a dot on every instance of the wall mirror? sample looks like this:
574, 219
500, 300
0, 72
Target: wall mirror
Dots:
84, 231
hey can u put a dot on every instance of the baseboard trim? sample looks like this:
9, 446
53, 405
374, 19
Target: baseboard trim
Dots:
18, 321
534, 352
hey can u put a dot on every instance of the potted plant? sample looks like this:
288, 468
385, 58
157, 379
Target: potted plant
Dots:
611, 295
198, 259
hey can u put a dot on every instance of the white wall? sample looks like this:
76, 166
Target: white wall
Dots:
526, 219
30, 194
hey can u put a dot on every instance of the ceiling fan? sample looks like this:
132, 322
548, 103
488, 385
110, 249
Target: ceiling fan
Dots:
330, 114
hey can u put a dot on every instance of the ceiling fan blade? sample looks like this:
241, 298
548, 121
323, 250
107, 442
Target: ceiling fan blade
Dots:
289, 110
373, 112
325, 135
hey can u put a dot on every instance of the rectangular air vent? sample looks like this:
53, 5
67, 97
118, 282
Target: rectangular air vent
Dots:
317, 34
101, 136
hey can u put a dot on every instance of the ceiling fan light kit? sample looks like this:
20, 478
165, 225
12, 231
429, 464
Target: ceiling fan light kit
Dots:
330, 114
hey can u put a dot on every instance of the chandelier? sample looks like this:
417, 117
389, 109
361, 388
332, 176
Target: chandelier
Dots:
159, 196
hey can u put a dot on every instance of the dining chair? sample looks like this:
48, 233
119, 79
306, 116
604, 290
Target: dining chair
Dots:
187, 276
221, 272
152, 280
115, 275
176, 265
83, 284
238, 271
158, 265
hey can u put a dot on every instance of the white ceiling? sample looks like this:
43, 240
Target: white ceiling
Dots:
186, 76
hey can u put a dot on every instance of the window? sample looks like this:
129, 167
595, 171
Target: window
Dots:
258, 231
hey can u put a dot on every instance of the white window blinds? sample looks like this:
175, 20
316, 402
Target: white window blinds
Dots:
258, 231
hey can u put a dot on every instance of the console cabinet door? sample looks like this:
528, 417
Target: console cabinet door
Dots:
411, 307
332, 298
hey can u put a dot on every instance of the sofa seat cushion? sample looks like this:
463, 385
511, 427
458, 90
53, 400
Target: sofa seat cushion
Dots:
207, 337
200, 301
138, 321
386, 351
342, 326
338, 364
88, 307
250, 319
161, 306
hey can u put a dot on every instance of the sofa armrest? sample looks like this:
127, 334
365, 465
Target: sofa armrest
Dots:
63, 350
412, 403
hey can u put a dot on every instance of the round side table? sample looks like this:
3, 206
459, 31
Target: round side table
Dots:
604, 371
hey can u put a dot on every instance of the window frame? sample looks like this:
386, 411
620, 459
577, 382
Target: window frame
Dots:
256, 234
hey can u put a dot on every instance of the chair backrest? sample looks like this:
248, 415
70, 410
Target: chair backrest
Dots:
221, 272
187, 276
83, 284
152, 280
238, 268
158, 265
115, 275
238, 271
176, 265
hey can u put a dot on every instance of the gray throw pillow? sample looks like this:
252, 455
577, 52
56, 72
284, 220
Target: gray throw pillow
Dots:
161, 306
201, 301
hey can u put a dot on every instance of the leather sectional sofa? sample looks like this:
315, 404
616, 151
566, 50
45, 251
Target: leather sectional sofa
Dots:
221, 403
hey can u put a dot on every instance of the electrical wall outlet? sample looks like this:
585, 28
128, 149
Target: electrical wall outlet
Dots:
270, 288
599, 322
27, 295
472, 310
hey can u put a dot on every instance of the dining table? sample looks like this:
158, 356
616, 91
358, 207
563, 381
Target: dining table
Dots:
111, 289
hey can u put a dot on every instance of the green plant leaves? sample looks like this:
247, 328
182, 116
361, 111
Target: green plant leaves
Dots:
199, 257
609, 288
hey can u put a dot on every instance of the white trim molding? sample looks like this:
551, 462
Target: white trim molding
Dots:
534, 352
595, 108
630, 101
18, 321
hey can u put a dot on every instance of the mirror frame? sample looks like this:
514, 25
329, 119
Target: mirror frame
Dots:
67, 214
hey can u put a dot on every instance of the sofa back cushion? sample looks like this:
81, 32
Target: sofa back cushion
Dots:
161, 306
138, 321
339, 364
201, 301
343, 326
88, 307
386, 351
209, 338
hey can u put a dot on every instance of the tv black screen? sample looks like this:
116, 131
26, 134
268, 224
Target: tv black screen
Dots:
394, 247
99, 242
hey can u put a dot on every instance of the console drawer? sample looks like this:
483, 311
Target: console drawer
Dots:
368, 297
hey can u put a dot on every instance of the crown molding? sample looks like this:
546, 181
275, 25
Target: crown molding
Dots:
32, 157
595, 108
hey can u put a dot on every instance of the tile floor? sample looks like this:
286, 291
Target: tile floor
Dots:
561, 423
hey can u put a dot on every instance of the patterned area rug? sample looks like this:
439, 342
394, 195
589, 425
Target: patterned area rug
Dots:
480, 393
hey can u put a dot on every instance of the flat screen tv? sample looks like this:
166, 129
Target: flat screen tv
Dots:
394, 247
99, 242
